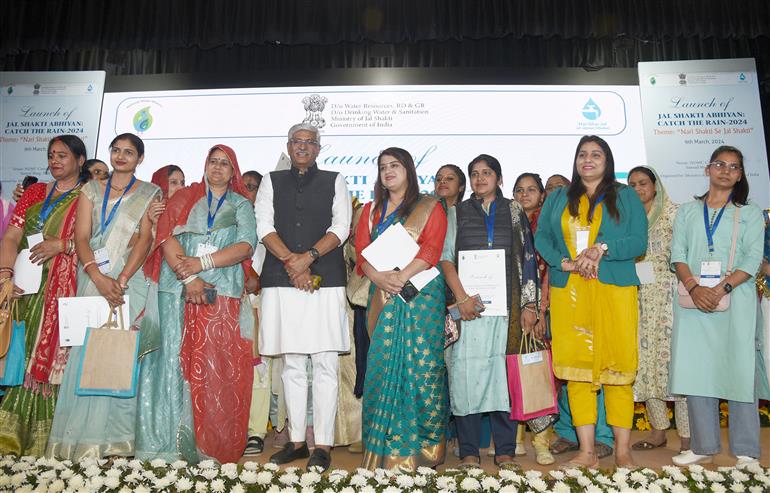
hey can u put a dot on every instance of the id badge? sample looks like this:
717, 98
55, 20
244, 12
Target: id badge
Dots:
710, 273
581, 239
103, 261
205, 248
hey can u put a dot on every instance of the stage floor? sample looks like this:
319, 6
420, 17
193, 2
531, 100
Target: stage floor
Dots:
654, 459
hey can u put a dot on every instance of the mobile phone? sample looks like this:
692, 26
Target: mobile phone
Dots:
408, 292
210, 294
454, 309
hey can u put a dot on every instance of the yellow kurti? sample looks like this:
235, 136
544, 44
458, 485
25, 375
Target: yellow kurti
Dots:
594, 325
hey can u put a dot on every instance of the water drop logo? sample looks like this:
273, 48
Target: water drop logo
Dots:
591, 110
143, 119
742, 76
653, 80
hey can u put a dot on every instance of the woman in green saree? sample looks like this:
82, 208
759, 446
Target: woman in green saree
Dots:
27, 410
405, 399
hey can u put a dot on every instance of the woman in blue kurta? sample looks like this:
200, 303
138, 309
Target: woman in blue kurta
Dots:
195, 388
112, 223
476, 362
716, 354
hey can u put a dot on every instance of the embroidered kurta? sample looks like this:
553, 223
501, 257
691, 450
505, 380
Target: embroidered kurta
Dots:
656, 315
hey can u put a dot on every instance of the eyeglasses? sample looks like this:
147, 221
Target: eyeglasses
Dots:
251, 187
222, 163
299, 142
729, 166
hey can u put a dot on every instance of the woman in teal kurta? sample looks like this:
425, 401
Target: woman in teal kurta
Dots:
168, 425
715, 354
99, 426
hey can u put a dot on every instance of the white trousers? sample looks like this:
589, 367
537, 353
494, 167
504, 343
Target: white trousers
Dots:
325, 383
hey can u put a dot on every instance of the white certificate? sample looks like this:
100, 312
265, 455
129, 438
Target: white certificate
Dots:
78, 313
396, 248
26, 274
482, 272
645, 272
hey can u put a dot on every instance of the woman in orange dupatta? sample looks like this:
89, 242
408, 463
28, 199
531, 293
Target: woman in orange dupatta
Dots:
195, 385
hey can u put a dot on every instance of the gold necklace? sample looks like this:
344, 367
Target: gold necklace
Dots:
116, 188
56, 186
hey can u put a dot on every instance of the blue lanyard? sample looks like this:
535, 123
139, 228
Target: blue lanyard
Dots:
711, 229
108, 220
48, 207
489, 221
211, 216
385, 222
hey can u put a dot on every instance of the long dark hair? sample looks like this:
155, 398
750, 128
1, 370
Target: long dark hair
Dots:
76, 147
412, 187
460, 178
740, 195
607, 187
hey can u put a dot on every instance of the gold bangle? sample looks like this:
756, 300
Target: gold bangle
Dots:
463, 301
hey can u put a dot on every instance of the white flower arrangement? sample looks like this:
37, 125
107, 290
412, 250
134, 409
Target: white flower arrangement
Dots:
32, 474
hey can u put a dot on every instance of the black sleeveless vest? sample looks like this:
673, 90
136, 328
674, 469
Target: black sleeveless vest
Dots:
472, 231
302, 207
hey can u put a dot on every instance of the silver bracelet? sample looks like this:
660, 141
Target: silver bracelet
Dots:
189, 279
207, 262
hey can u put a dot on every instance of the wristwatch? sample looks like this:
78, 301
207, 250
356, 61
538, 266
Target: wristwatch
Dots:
604, 248
314, 253
727, 287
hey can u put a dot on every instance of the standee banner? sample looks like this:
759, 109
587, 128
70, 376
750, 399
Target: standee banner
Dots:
689, 108
36, 106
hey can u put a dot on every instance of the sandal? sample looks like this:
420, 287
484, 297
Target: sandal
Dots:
506, 465
470, 465
562, 445
603, 450
648, 445
572, 464
579, 465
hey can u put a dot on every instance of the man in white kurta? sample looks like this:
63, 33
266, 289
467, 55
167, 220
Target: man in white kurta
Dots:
303, 216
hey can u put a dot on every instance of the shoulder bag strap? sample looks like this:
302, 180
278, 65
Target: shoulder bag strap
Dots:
736, 219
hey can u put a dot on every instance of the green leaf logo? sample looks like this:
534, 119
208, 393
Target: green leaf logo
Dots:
143, 120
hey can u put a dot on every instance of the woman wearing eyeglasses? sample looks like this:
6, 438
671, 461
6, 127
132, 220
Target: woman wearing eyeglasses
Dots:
716, 351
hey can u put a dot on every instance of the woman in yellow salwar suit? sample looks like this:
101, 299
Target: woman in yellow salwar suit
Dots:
590, 234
